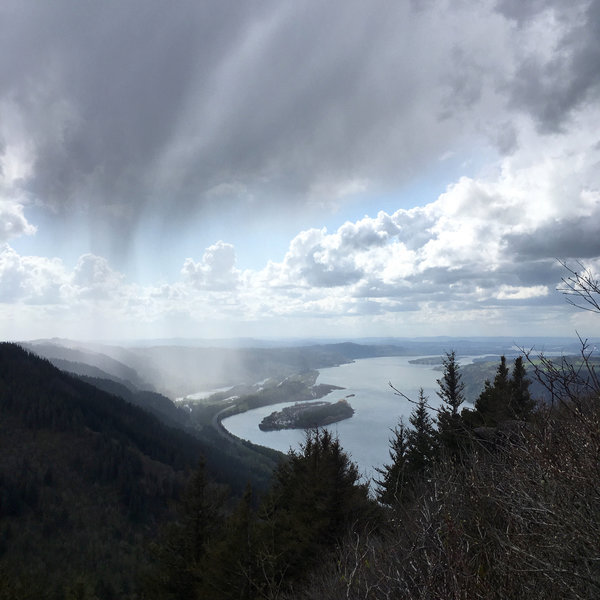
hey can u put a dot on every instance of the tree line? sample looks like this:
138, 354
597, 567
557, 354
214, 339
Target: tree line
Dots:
451, 434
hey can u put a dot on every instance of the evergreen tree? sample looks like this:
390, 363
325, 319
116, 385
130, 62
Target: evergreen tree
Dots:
492, 406
317, 495
182, 553
422, 444
394, 476
521, 403
508, 397
501, 381
451, 385
451, 428
230, 564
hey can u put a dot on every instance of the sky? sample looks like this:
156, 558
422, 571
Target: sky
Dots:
297, 168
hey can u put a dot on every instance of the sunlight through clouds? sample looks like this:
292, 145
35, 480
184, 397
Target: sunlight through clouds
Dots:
182, 147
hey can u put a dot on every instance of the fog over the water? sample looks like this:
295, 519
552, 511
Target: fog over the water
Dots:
222, 169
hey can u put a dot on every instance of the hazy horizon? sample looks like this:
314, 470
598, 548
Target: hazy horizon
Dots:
297, 170
266, 342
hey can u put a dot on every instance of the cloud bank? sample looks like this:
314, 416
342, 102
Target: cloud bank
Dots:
116, 115
480, 256
142, 106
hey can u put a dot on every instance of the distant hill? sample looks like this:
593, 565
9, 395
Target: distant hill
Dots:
106, 366
43, 396
84, 370
474, 375
159, 405
180, 370
177, 368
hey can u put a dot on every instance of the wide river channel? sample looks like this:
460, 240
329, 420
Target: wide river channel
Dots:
377, 408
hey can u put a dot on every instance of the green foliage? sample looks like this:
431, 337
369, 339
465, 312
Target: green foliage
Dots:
231, 569
42, 397
450, 425
451, 386
307, 416
520, 522
159, 405
413, 453
392, 486
507, 398
84, 478
521, 403
181, 553
317, 495
422, 441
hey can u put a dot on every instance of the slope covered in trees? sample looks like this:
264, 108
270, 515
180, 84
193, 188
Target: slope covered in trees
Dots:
234, 462
84, 478
519, 520
316, 497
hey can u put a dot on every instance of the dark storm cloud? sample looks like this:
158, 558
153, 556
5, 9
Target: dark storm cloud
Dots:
564, 238
537, 302
152, 104
550, 89
101, 86
444, 276
545, 271
148, 107
522, 11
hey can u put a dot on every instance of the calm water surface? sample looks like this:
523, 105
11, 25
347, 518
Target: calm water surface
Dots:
377, 409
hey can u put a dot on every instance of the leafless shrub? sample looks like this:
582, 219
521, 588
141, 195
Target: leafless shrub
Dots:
580, 287
568, 382
520, 522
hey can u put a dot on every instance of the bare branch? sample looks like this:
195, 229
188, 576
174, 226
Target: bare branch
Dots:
581, 287
428, 406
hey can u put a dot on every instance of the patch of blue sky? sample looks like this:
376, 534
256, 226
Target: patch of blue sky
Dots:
424, 188
53, 238
155, 251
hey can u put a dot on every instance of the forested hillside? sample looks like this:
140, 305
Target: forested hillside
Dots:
85, 479
234, 462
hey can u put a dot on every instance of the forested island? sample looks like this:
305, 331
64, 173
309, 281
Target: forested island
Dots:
307, 415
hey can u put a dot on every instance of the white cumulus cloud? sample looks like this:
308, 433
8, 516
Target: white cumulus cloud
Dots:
12, 221
216, 270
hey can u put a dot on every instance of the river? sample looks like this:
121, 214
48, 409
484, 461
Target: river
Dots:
377, 408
